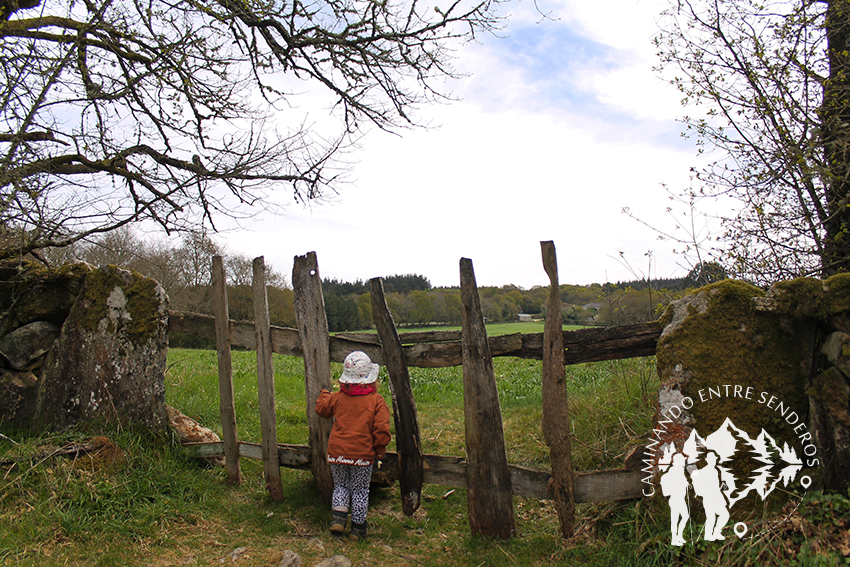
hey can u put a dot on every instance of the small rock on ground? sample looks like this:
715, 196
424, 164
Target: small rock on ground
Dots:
335, 561
290, 559
234, 555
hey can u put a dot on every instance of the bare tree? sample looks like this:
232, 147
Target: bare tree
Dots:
772, 78
115, 111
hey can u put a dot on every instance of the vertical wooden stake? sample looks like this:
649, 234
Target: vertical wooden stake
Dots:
556, 416
488, 479
313, 329
265, 382
408, 441
226, 407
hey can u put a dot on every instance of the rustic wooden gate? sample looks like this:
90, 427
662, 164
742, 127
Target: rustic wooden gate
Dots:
489, 479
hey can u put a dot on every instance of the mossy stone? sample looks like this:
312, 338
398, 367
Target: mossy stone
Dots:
109, 360
722, 339
830, 410
30, 292
110, 290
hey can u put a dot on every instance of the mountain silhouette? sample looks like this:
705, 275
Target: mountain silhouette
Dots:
731, 444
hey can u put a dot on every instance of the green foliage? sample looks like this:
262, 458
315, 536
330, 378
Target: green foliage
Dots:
777, 131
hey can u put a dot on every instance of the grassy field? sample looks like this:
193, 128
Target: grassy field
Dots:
138, 501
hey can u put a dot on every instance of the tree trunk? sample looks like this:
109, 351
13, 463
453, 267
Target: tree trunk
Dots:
835, 116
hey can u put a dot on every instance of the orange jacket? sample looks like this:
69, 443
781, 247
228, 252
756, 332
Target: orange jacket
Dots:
361, 429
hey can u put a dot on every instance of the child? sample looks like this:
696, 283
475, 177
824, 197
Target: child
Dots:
360, 434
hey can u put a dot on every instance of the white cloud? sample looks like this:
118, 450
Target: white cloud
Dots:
561, 125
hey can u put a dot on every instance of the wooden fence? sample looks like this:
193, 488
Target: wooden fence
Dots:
490, 480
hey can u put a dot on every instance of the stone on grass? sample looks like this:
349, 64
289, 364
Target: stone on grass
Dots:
335, 561
108, 362
290, 559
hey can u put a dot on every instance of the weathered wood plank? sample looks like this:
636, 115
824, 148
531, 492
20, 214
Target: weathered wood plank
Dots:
265, 382
582, 345
412, 337
313, 330
556, 417
443, 470
598, 343
488, 480
369, 338
408, 441
340, 348
406, 338
226, 407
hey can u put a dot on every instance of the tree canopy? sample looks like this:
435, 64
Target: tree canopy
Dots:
179, 111
768, 81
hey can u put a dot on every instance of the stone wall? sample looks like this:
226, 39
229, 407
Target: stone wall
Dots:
81, 343
736, 360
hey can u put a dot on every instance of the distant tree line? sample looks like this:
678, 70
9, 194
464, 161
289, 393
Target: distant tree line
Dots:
413, 302
184, 270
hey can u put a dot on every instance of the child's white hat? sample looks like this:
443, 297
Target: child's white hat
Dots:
359, 369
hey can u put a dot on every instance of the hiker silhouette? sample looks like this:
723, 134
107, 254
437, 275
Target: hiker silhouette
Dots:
706, 483
674, 485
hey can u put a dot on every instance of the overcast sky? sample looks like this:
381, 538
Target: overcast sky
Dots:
560, 125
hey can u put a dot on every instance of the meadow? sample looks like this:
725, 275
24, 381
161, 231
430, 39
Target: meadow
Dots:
140, 501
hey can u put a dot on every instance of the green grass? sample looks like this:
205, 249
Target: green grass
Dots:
141, 502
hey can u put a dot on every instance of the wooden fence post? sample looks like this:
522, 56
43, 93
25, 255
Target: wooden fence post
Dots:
408, 440
556, 416
226, 407
313, 330
488, 479
265, 382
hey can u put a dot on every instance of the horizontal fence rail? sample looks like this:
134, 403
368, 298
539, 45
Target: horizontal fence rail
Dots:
443, 470
440, 349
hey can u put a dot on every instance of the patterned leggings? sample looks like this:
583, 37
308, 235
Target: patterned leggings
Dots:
351, 484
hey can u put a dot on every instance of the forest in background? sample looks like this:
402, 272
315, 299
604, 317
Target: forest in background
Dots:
184, 270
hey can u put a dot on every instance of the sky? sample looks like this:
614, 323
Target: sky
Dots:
561, 123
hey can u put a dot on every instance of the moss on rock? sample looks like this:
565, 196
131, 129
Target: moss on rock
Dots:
730, 359
720, 339
808, 298
119, 298
31, 292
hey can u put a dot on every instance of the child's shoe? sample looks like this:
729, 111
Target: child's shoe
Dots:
338, 521
358, 531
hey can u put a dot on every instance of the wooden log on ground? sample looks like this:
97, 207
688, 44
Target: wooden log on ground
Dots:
408, 441
556, 417
226, 407
444, 470
265, 382
488, 479
313, 330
